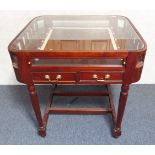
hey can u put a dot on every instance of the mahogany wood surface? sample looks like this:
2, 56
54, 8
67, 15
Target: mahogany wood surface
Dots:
126, 72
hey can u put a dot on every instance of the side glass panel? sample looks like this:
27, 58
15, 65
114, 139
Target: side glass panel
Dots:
76, 62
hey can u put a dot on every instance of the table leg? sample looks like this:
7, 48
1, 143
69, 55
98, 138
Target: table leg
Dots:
36, 108
121, 108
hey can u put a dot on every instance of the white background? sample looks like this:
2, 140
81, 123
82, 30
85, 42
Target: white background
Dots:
13, 21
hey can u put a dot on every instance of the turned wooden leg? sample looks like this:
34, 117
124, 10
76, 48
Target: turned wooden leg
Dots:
121, 108
36, 108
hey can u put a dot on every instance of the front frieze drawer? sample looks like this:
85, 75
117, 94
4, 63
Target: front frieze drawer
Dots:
54, 77
101, 76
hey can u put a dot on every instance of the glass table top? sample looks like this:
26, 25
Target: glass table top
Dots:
78, 33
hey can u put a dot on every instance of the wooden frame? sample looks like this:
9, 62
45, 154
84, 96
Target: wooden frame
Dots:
125, 74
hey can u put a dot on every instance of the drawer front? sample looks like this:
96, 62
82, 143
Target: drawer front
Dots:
101, 76
55, 77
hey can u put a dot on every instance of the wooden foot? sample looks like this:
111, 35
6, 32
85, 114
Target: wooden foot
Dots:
116, 132
42, 131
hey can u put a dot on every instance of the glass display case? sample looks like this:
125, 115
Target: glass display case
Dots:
99, 50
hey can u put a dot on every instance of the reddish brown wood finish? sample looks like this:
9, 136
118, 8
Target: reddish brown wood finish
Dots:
121, 108
36, 108
125, 74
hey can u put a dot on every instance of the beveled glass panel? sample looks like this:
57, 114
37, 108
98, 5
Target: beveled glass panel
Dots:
76, 62
78, 33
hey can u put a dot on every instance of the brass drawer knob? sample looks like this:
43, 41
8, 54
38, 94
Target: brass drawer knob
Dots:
47, 77
107, 77
58, 77
95, 76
